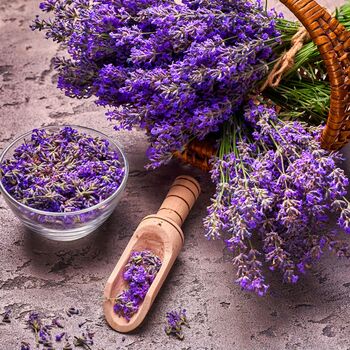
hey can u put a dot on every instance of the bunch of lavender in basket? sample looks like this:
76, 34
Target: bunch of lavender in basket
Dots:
275, 191
179, 69
176, 69
139, 273
62, 171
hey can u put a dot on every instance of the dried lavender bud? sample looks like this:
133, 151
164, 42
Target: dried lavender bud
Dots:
73, 311
34, 322
6, 318
82, 342
140, 272
59, 336
45, 337
25, 346
62, 171
56, 322
175, 322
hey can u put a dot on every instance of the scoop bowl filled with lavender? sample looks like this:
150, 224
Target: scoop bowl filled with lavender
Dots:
63, 181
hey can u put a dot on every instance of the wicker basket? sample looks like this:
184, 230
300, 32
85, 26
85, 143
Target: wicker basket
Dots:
333, 42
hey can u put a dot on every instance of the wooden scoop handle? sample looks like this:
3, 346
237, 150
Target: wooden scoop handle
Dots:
182, 195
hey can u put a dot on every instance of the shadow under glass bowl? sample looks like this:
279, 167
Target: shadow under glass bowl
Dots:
69, 226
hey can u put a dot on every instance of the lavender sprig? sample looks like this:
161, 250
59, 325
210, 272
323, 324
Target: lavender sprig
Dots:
45, 339
25, 346
6, 318
175, 321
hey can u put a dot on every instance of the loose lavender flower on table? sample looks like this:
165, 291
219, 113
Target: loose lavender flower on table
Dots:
6, 318
62, 171
139, 273
275, 192
59, 337
177, 71
175, 320
25, 346
52, 335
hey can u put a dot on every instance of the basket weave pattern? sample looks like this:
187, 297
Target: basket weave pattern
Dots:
333, 42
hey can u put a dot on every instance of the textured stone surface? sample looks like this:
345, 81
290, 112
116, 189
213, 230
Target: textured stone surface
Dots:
51, 277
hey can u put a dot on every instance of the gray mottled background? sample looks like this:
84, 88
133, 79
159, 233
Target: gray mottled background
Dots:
50, 277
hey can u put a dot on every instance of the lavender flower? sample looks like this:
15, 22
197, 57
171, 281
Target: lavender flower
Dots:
25, 346
34, 322
139, 273
276, 186
6, 318
59, 336
44, 338
62, 171
175, 320
176, 71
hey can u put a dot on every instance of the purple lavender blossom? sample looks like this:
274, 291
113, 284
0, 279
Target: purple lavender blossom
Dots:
62, 171
6, 318
139, 273
175, 321
59, 337
25, 346
274, 184
176, 71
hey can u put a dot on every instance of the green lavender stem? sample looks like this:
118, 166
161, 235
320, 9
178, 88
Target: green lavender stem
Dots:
304, 92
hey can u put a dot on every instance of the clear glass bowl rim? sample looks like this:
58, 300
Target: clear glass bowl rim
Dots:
77, 212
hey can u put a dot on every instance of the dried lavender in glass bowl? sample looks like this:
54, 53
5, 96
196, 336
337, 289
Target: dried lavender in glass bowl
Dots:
82, 200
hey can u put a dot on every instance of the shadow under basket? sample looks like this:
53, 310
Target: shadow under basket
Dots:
333, 42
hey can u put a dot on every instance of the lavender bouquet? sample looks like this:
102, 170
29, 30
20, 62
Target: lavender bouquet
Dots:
275, 191
184, 69
177, 70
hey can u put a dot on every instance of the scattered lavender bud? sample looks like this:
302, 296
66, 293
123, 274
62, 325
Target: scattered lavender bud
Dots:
175, 322
140, 271
34, 322
73, 311
59, 336
7, 316
25, 346
56, 322
62, 171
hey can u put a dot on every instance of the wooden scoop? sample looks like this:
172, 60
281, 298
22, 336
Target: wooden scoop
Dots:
161, 234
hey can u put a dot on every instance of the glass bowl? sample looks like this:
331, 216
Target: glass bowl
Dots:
67, 226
